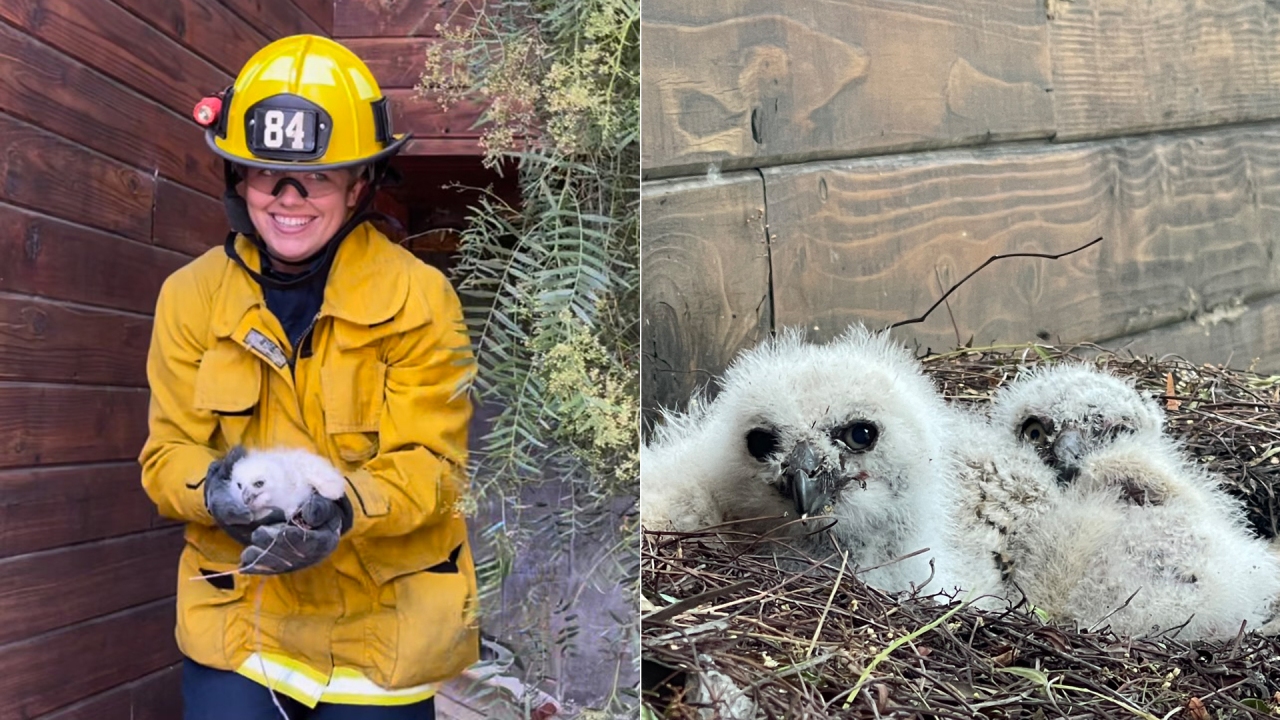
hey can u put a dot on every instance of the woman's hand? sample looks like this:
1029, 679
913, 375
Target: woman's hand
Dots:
287, 546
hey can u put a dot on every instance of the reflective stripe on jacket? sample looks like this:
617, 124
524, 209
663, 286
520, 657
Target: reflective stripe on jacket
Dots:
381, 394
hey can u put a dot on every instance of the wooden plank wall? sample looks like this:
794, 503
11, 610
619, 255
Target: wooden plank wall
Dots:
392, 38
890, 147
441, 166
106, 187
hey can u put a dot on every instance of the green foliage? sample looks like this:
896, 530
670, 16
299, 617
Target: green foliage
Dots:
552, 286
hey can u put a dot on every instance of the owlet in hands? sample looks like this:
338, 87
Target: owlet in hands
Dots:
284, 479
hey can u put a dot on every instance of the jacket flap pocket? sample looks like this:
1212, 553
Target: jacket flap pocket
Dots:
353, 384
348, 335
229, 381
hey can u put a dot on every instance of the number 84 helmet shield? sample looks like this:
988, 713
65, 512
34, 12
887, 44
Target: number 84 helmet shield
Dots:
301, 103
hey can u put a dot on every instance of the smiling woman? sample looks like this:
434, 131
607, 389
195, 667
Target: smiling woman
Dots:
312, 334
296, 213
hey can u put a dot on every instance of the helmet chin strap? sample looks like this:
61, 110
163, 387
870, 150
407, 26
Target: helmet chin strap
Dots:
320, 261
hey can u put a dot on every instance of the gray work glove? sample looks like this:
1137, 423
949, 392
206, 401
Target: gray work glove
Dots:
287, 546
226, 505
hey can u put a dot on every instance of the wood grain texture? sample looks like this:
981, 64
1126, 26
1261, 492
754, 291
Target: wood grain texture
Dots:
277, 18
320, 12
101, 192
396, 62
157, 696
61, 424
40, 255
1190, 224
455, 146
425, 118
45, 508
750, 83
56, 669
377, 18
52, 91
187, 221
1243, 336
49, 590
42, 341
112, 40
705, 264
1124, 68
207, 27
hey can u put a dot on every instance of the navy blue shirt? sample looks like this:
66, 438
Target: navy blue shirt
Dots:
296, 307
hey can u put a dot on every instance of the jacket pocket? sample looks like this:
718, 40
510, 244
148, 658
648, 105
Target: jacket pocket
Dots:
437, 633
354, 387
229, 384
208, 599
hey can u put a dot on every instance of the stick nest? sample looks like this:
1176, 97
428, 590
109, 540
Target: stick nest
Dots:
813, 642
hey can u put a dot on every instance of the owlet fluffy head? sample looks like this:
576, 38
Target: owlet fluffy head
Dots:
1068, 412
851, 427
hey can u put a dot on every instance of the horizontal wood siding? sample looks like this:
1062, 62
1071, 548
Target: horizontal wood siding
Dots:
45, 88
705, 264
277, 18
187, 221
206, 28
45, 508
397, 62
1124, 68
59, 259
1188, 225
48, 671
102, 192
58, 424
53, 342
418, 18
106, 188
157, 696
1242, 334
744, 83
900, 145
320, 12
58, 588
112, 40
392, 38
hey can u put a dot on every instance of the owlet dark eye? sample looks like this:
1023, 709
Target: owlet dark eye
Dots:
859, 436
761, 443
1033, 430
1115, 431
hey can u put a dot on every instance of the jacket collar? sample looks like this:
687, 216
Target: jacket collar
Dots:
365, 260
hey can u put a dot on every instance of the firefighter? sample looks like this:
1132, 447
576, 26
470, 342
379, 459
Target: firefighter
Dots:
309, 329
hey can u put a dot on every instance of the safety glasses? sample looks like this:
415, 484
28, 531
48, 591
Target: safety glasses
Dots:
313, 184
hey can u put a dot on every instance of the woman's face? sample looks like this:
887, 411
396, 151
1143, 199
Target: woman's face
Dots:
295, 227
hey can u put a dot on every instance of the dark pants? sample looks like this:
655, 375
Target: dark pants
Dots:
209, 694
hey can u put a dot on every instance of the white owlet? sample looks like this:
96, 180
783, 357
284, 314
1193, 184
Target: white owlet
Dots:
1131, 519
284, 479
851, 430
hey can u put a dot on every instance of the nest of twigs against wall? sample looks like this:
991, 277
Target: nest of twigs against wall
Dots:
811, 642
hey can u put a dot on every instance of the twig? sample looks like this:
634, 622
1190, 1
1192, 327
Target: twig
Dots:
880, 656
689, 603
1122, 606
813, 642
990, 260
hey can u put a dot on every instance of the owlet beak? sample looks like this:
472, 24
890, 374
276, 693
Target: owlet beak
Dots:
807, 491
1067, 450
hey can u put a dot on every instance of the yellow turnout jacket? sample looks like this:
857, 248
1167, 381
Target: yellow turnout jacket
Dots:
382, 395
